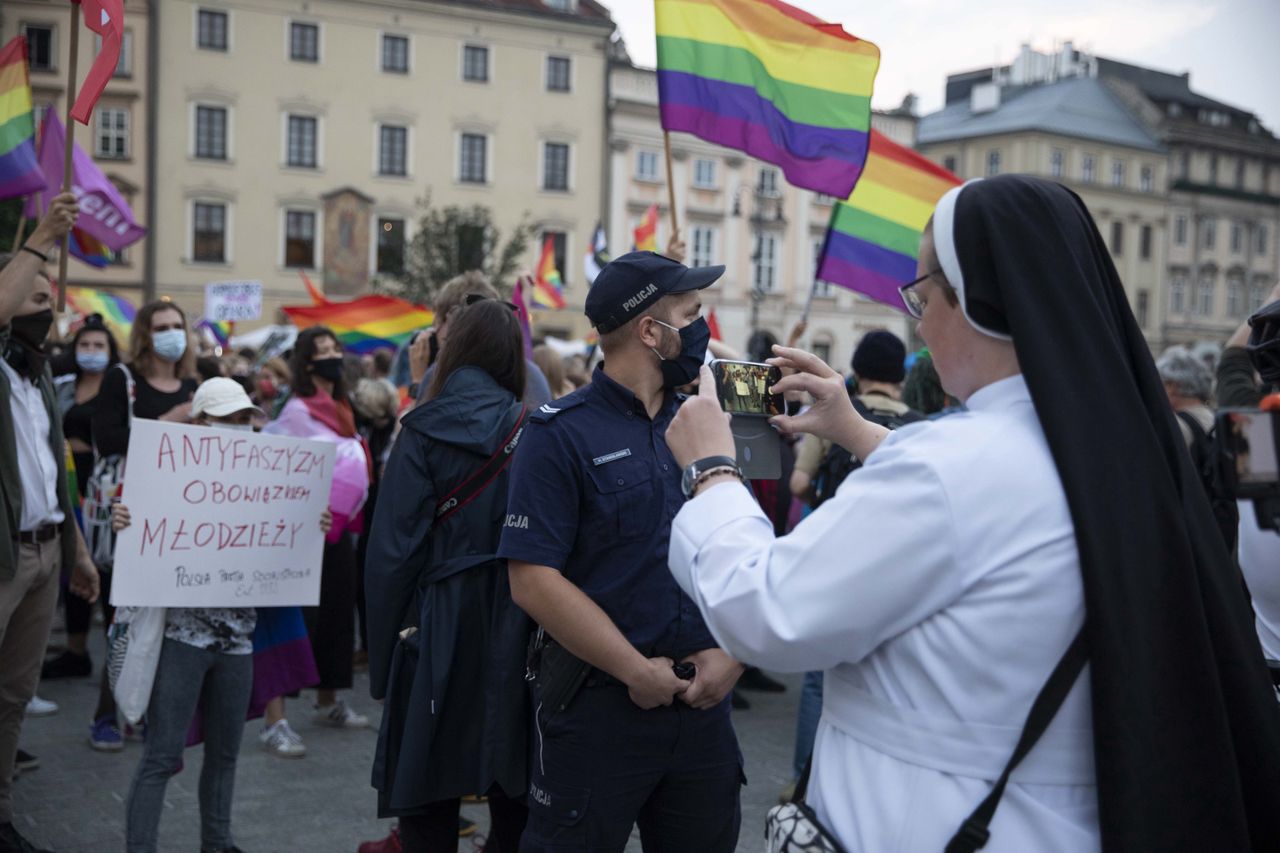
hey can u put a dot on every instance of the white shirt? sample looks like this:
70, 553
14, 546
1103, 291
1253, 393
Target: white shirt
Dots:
1260, 564
37, 468
937, 588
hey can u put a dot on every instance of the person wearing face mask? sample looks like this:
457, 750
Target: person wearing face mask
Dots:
37, 522
635, 739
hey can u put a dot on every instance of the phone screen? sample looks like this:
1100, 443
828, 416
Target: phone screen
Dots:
1250, 442
743, 387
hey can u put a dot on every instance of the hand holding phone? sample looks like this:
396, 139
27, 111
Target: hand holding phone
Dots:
743, 387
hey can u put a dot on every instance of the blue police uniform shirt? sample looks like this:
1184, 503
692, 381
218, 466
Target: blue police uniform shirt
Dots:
592, 494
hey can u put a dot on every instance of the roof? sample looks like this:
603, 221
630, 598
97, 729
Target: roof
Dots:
587, 11
1162, 86
1079, 107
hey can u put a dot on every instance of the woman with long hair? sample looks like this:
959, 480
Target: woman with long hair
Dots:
446, 641
321, 409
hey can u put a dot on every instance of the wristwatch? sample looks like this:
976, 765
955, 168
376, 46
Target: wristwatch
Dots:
700, 469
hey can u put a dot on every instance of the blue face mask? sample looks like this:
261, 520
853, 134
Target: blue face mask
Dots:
170, 344
92, 362
684, 368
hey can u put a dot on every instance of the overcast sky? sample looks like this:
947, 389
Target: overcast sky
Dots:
1231, 47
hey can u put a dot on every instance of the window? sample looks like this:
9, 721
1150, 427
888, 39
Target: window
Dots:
558, 73
1088, 169
211, 133
393, 146
304, 42
1144, 307
1235, 294
993, 162
1260, 238
1237, 238
1117, 173
472, 166
1117, 238
209, 232
1057, 157
300, 239
949, 163
475, 63
1210, 226
1204, 295
646, 166
395, 54
1184, 165
390, 258
704, 246
1239, 173
111, 137
559, 244
555, 166
40, 55
820, 287
704, 174
211, 30
301, 148
1257, 293
124, 63
764, 272
1213, 169
1180, 230
1147, 179
1144, 243
767, 183
1178, 292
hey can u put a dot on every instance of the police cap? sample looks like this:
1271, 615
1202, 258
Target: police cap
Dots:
631, 283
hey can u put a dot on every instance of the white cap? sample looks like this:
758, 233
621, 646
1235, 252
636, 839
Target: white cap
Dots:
219, 397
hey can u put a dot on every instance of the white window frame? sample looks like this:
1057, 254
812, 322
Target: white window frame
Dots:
1178, 281
1147, 179
546, 73
195, 28
1260, 235
383, 35
764, 270
1089, 169
994, 162
1236, 294
1057, 163
317, 257
1209, 235
771, 188
711, 184
284, 150
1180, 230
488, 158
288, 40
377, 150
127, 132
641, 175
488, 64
702, 245
1257, 293
1119, 174
1236, 241
228, 246
821, 289
568, 166
1205, 294
228, 124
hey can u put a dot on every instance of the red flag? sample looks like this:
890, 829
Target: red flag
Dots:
106, 18
646, 233
714, 325
317, 298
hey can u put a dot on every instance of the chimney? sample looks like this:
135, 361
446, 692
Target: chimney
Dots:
984, 98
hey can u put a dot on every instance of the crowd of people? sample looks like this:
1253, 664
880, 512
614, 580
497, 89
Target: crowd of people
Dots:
560, 580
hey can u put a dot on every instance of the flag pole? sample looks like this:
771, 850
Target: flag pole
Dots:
71, 144
22, 230
671, 186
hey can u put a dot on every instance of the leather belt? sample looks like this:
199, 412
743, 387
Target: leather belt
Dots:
40, 535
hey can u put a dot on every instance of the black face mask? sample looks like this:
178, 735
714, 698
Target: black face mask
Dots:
25, 353
682, 368
327, 368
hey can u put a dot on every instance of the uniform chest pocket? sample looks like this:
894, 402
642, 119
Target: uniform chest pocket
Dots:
626, 503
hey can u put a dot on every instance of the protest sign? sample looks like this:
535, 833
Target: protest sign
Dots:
232, 300
221, 518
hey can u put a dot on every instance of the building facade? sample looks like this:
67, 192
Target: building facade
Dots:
300, 137
116, 137
736, 211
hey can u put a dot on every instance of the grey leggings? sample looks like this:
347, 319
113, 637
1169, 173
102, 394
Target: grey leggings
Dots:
220, 684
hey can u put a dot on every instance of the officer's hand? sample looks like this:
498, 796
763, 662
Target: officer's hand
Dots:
716, 675
701, 427
832, 415
655, 684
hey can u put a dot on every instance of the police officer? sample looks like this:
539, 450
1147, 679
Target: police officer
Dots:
593, 491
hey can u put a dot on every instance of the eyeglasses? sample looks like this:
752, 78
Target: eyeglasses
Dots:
473, 298
910, 299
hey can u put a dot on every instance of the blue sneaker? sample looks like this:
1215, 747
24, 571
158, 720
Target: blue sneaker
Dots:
104, 735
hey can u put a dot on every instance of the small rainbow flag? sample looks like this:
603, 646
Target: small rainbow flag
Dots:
646, 233
874, 237
366, 323
547, 290
117, 312
20, 171
222, 330
90, 249
770, 80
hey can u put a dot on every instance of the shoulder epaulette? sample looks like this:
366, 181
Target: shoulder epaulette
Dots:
547, 411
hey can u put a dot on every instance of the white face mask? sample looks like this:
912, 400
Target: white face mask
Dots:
236, 427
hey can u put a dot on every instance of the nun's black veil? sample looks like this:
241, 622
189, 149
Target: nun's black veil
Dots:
1186, 726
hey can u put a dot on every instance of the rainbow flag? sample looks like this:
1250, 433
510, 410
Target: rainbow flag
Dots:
547, 290
20, 171
646, 233
90, 249
117, 312
874, 237
770, 80
366, 323
222, 330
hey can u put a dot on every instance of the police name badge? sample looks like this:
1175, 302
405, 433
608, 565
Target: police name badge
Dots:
610, 457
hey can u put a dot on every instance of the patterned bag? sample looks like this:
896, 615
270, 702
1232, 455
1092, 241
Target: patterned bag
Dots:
794, 828
133, 651
102, 489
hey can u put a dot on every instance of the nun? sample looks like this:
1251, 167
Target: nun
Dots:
1040, 571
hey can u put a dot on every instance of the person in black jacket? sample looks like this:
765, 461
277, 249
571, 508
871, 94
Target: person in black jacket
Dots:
446, 642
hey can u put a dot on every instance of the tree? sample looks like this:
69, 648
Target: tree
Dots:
10, 213
452, 240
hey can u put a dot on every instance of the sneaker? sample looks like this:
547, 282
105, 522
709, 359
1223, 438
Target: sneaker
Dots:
754, 679
67, 665
38, 707
25, 762
282, 741
466, 828
104, 735
13, 842
390, 844
339, 715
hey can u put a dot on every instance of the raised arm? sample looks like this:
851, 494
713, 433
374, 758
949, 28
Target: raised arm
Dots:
17, 276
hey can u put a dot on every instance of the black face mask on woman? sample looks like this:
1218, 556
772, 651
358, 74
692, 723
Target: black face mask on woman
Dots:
329, 369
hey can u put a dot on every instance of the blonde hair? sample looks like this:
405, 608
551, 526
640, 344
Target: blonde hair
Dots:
141, 350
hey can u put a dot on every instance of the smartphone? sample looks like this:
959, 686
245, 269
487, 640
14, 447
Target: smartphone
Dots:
1248, 452
743, 387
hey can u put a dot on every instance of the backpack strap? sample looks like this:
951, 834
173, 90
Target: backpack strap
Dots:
470, 488
973, 833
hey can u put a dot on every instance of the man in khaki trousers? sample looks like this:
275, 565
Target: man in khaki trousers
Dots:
38, 532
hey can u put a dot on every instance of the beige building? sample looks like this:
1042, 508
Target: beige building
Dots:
298, 137
736, 211
117, 135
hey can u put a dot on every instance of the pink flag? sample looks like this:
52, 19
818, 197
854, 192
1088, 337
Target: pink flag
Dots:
104, 215
522, 313
106, 18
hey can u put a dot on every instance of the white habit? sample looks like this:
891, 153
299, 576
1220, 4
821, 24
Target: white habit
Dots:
937, 589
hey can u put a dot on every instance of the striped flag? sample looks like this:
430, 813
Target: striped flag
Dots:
20, 171
646, 233
597, 255
547, 290
366, 323
117, 312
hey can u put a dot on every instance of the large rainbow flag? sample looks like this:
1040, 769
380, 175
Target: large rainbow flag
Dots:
547, 289
771, 80
20, 171
117, 312
366, 323
874, 237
